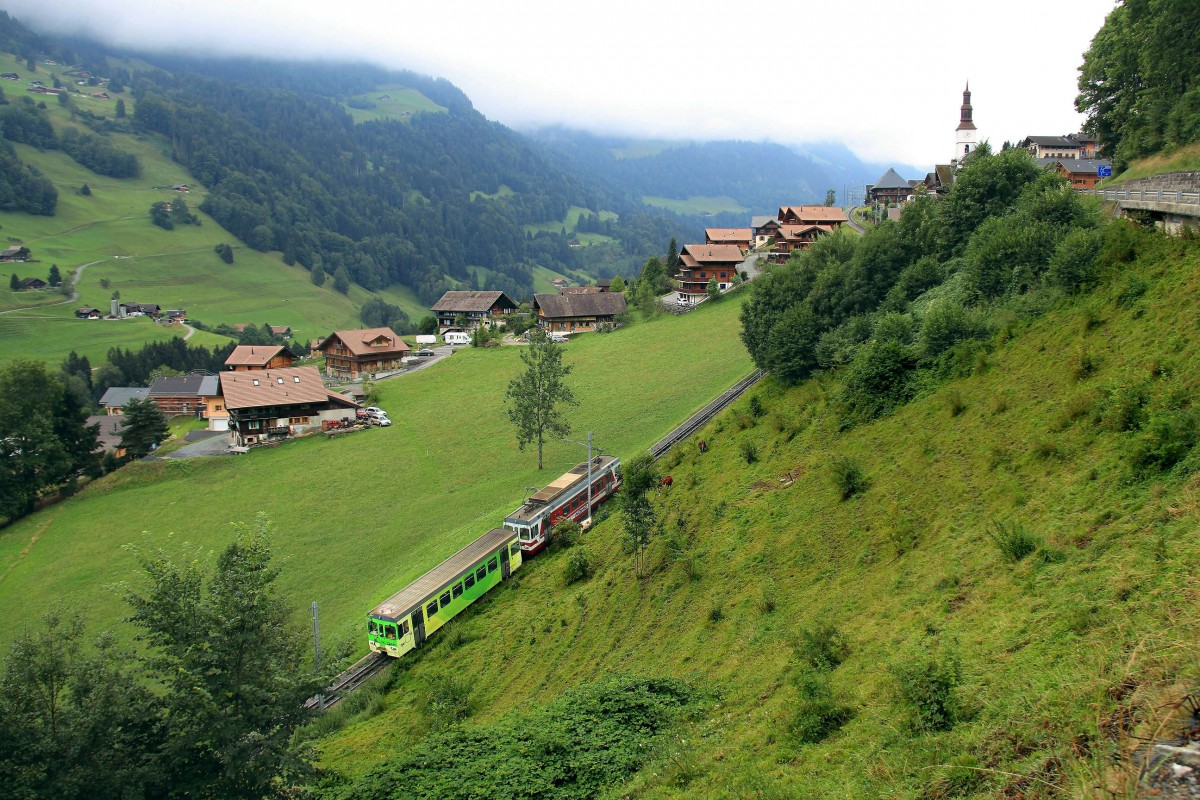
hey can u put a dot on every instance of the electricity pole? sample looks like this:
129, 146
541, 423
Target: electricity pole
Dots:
317, 651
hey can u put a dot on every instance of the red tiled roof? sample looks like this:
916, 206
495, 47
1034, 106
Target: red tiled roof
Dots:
814, 213
700, 254
253, 355
368, 341
275, 387
728, 234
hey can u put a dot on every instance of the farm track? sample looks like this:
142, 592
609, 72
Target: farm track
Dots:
365, 668
701, 417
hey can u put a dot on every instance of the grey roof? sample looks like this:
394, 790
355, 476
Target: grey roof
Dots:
472, 301
209, 387
1076, 165
177, 385
1050, 141
118, 396
109, 435
598, 304
757, 222
891, 180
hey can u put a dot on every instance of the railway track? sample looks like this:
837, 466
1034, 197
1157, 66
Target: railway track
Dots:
701, 417
363, 669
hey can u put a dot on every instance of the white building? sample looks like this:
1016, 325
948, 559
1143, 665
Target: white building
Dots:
966, 138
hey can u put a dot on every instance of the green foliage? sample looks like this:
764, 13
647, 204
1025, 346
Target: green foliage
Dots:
1073, 266
54, 278
536, 396
946, 323
926, 683
143, 427
566, 533
987, 186
99, 154
23, 188
823, 647
427, 326
1012, 540
578, 567
1166, 439
640, 520
341, 280
816, 714
877, 381
749, 451
713, 289
317, 276
160, 215
618, 285
447, 700
847, 477
225, 252
583, 743
376, 313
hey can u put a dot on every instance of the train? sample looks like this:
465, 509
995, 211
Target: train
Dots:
406, 619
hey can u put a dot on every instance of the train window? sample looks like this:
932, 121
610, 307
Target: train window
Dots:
458, 590
371, 626
403, 629
481, 573
444, 600
431, 608
514, 549
390, 631
469, 581
492, 565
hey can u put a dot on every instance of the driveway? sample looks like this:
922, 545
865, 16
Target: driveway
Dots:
212, 443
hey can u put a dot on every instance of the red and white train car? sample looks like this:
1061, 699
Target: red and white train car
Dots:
564, 498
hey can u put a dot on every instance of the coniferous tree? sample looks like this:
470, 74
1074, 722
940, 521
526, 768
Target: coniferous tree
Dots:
120, 105
14, 283
55, 277
85, 190
317, 276
341, 280
143, 427
536, 396
673, 259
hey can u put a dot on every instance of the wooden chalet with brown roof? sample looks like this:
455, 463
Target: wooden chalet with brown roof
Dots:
15, 253
259, 356
575, 312
811, 215
742, 237
793, 238
475, 308
280, 330
700, 263
351, 355
275, 404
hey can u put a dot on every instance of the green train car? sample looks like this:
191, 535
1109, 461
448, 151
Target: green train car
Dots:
407, 618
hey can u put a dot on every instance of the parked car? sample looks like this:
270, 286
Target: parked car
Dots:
374, 411
382, 422
558, 337
457, 338
425, 352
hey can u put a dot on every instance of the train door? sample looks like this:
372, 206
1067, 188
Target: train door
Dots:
418, 623
505, 567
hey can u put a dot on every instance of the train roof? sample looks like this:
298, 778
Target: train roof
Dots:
407, 599
560, 486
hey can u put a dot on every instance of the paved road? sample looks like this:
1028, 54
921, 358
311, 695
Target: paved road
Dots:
216, 444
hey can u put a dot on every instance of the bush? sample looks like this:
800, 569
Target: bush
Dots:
817, 715
578, 568
1124, 409
877, 382
755, 406
1166, 440
926, 684
566, 533
1013, 540
447, 700
1073, 267
955, 402
847, 477
946, 323
749, 451
823, 647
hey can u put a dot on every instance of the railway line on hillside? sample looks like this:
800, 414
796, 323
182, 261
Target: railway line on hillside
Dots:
356, 675
701, 417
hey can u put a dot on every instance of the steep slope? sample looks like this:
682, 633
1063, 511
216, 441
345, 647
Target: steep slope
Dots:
1031, 675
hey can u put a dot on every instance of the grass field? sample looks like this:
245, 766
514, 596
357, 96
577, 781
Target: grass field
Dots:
359, 516
1181, 160
1062, 657
695, 205
401, 103
570, 221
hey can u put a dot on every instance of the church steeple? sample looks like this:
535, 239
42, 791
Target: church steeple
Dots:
965, 137
964, 119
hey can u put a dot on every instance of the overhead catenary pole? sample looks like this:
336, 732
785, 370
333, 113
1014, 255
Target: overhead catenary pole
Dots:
588, 444
317, 651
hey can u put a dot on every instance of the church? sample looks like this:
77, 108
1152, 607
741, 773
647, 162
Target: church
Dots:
966, 137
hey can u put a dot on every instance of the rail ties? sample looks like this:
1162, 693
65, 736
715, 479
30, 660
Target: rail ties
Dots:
701, 417
366, 667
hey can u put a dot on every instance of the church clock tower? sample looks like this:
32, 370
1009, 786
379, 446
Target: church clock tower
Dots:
966, 138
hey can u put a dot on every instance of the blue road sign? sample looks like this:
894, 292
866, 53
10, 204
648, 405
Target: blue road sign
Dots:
1104, 172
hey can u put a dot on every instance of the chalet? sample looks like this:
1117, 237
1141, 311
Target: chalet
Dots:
575, 313
352, 355
16, 253
33, 283
10, 76
115, 398
101, 95
604, 284
108, 434
811, 215
276, 404
1083, 173
280, 330
763, 229
792, 238
87, 312
214, 404
259, 356
178, 394
140, 309
700, 263
1052, 146
742, 237
579, 290
890, 188
180, 187
559, 282
475, 308
940, 180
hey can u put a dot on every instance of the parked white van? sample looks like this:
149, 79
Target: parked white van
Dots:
457, 338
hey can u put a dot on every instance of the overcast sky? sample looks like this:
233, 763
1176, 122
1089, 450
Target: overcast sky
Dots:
883, 77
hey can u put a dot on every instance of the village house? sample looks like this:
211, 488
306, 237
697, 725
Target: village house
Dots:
579, 290
276, 404
604, 284
352, 355
577, 313
811, 215
180, 394
1052, 146
87, 312
139, 310
742, 237
700, 263
175, 315
890, 188
15, 253
259, 356
115, 398
214, 404
472, 308
280, 330
763, 229
33, 284
940, 180
1083, 173
791, 238
108, 435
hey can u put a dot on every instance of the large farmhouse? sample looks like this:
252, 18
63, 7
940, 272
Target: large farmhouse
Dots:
700, 263
576, 312
275, 404
466, 311
351, 355
259, 356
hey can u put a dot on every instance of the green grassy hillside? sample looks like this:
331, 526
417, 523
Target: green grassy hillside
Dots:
1046, 665
110, 232
361, 515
